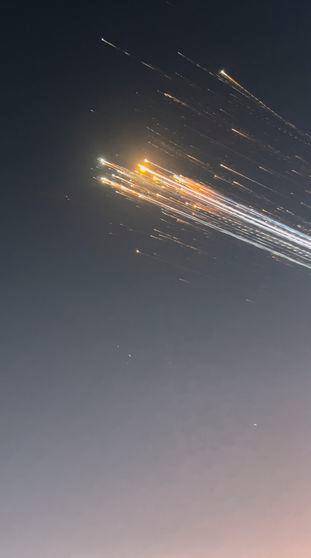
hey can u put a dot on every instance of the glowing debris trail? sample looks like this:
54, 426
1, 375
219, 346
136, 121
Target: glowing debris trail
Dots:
238, 87
200, 205
126, 53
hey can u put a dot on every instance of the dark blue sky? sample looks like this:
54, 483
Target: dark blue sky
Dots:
141, 416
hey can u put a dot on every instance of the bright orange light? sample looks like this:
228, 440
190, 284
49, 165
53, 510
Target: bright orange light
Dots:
142, 168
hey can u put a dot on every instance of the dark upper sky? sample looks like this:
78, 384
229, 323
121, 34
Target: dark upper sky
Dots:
141, 416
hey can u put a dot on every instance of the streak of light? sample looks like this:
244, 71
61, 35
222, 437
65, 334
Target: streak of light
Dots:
200, 204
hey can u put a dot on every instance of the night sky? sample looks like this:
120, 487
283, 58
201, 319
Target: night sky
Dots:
143, 416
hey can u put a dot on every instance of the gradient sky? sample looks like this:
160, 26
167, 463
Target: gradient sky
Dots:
142, 417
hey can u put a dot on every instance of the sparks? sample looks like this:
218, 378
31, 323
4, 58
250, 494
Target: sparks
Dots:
203, 206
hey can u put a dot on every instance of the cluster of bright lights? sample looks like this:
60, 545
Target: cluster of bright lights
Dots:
201, 205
